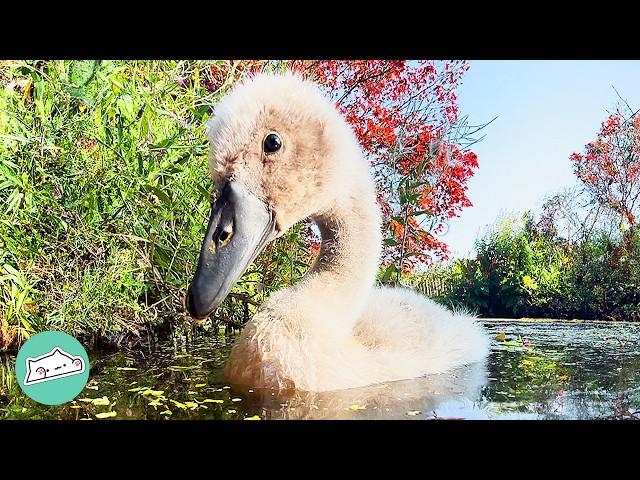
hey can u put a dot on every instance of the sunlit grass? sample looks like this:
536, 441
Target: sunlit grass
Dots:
104, 197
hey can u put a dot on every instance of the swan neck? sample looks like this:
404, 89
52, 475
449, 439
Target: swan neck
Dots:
346, 266
350, 242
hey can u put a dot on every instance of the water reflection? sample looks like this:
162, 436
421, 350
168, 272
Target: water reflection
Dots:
419, 398
536, 370
576, 370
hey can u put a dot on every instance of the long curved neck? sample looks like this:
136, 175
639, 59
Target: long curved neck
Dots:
351, 243
338, 285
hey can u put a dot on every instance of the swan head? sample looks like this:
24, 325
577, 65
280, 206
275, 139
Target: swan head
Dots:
279, 153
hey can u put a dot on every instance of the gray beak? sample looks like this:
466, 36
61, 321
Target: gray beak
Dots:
240, 226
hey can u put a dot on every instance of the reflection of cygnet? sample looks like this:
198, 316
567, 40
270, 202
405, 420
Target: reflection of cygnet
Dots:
51, 366
449, 394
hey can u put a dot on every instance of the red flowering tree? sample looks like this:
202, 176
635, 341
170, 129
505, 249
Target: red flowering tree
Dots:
609, 168
405, 116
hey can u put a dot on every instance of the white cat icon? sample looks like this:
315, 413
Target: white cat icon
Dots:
52, 366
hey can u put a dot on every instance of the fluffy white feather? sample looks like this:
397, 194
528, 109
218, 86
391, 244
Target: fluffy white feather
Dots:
334, 329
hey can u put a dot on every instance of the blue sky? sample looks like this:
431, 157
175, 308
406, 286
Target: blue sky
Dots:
546, 110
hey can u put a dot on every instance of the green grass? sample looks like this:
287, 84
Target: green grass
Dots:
104, 190
104, 197
103, 187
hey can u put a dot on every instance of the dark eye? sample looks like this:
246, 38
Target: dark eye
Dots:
272, 143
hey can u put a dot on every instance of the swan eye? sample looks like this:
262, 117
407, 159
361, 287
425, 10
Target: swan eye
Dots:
272, 143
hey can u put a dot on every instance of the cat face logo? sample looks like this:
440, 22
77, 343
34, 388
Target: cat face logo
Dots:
52, 366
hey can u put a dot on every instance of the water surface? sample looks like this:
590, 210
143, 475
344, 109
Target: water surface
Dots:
536, 370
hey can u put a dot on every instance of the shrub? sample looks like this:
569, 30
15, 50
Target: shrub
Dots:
521, 270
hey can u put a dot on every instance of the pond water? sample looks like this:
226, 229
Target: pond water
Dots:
536, 370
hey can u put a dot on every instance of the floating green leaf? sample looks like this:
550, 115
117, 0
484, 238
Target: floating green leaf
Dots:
106, 414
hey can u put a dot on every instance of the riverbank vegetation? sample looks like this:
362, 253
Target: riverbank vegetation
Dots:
520, 271
579, 258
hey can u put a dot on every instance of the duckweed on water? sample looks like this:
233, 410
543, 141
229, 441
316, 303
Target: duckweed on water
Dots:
537, 370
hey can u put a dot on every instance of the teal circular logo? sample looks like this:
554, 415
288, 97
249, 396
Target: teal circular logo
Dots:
52, 368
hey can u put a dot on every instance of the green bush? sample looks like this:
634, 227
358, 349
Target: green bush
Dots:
521, 270
604, 279
515, 272
104, 197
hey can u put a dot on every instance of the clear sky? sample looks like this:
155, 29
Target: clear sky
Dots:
546, 110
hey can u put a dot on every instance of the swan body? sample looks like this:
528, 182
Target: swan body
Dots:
334, 329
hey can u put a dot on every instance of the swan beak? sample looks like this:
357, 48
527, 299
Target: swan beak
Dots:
240, 226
